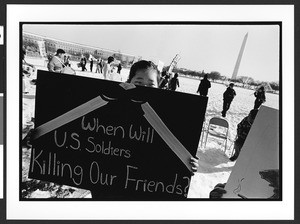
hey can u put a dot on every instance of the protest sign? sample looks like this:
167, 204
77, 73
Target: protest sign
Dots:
122, 144
256, 174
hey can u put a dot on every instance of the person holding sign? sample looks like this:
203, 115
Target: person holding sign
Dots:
84, 140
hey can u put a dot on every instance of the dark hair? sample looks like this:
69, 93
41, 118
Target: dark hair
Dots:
60, 51
110, 59
262, 88
176, 75
142, 65
231, 84
205, 76
253, 113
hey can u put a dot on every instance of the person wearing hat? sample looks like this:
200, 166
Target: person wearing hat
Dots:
260, 97
228, 96
56, 63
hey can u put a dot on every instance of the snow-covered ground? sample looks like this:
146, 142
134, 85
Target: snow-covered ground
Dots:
214, 165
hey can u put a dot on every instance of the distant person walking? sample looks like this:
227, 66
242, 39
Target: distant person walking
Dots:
174, 82
119, 68
98, 66
260, 97
204, 86
83, 64
101, 65
228, 96
107, 70
56, 64
91, 64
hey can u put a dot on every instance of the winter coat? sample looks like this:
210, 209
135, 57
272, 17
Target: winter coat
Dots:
229, 94
260, 95
203, 87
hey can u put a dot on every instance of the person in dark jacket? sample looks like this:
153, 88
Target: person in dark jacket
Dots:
119, 68
174, 82
260, 97
83, 64
91, 64
204, 86
243, 129
228, 96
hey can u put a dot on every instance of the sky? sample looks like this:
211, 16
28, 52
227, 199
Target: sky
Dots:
201, 47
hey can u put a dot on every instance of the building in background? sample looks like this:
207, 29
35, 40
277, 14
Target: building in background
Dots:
38, 46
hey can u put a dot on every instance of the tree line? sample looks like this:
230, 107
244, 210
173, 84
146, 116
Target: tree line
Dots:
215, 75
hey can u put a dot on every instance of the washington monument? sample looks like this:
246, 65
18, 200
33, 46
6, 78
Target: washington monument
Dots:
238, 61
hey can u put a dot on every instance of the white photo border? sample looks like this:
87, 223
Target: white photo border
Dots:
185, 210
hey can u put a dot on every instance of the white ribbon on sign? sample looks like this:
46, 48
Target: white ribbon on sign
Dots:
165, 133
71, 115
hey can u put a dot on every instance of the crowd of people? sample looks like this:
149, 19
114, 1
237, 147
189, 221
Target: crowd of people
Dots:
61, 63
168, 82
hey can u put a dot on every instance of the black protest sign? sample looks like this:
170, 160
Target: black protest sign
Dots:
120, 144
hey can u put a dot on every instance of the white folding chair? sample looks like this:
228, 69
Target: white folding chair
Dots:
213, 125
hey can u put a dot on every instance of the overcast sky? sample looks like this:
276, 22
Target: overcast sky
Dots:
201, 47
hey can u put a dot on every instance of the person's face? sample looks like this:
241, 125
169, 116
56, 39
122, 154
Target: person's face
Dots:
61, 55
146, 77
